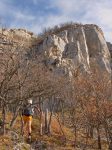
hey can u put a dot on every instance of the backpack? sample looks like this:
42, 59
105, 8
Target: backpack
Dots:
28, 110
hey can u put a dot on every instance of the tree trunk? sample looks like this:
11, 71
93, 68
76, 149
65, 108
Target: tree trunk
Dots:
108, 135
99, 139
4, 120
41, 123
46, 121
15, 114
91, 131
13, 120
22, 125
110, 145
63, 114
51, 104
49, 123
75, 131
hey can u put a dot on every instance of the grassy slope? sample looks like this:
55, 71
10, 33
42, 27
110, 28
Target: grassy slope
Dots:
57, 139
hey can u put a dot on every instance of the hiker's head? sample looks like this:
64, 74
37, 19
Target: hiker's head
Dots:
29, 101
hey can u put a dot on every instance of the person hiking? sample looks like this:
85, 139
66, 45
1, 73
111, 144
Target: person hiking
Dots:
27, 115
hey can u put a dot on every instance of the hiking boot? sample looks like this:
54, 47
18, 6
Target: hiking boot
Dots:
29, 137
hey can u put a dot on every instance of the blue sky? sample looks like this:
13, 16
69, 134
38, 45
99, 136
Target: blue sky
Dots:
35, 15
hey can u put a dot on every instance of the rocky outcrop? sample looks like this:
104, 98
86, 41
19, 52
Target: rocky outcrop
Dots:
65, 49
81, 46
15, 37
110, 48
16, 34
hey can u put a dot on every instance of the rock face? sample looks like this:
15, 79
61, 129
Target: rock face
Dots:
67, 49
80, 46
110, 49
16, 37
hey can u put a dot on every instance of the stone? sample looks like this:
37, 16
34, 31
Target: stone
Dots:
76, 47
66, 49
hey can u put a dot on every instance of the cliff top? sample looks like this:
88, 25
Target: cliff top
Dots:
66, 26
47, 31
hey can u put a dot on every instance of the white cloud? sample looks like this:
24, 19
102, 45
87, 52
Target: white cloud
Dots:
35, 2
3, 8
85, 11
23, 16
18, 18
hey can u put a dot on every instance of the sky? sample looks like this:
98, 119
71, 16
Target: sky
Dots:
35, 15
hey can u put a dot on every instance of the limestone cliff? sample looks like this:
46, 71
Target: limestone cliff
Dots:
16, 37
66, 49
110, 49
76, 46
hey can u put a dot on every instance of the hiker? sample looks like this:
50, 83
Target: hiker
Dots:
27, 114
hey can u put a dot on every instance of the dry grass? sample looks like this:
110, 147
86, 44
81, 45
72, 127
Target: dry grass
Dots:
5, 143
57, 139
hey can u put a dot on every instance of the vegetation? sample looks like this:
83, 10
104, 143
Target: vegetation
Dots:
59, 28
76, 113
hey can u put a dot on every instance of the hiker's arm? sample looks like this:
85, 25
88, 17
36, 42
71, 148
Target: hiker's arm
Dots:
37, 110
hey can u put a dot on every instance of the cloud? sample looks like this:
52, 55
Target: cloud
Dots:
35, 2
23, 17
12, 16
39, 14
86, 11
3, 8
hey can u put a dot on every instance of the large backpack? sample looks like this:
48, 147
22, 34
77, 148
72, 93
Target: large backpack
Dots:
28, 110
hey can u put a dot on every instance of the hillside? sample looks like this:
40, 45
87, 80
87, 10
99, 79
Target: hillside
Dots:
57, 141
66, 71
